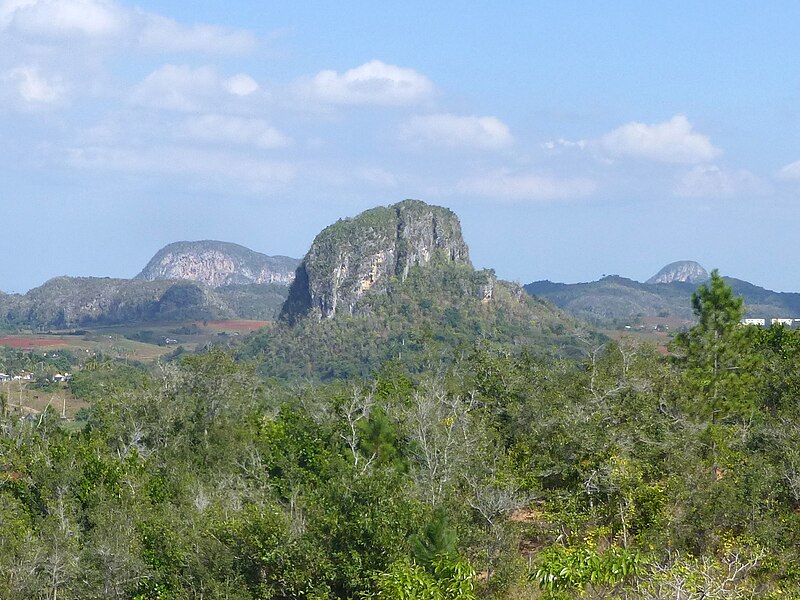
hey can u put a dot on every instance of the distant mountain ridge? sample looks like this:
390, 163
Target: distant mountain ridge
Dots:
183, 281
616, 300
218, 264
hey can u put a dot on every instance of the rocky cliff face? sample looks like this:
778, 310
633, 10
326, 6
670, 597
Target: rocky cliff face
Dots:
218, 264
357, 256
683, 270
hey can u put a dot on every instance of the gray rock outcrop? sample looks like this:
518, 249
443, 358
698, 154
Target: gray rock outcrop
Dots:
218, 264
357, 256
682, 270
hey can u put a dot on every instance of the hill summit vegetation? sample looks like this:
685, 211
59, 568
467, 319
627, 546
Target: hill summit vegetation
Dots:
360, 256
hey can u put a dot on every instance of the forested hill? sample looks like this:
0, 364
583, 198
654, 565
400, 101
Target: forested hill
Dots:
87, 301
395, 283
616, 300
183, 281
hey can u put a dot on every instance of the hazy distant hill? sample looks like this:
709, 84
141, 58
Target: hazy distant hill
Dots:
218, 264
81, 301
85, 301
183, 281
616, 300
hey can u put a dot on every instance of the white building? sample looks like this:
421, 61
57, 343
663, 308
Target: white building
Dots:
760, 322
786, 322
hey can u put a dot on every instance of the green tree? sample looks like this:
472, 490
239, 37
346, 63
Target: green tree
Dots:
715, 352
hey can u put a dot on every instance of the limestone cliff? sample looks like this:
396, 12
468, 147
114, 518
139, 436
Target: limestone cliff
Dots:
682, 270
357, 256
218, 264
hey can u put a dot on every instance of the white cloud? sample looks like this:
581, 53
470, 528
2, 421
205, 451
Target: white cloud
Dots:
177, 87
502, 184
241, 85
188, 89
122, 26
234, 130
673, 141
160, 33
376, 176
375, 83
711, 181
33, 87
92, 18
242, 171
486, 133
562, 144
8, 9
790, 172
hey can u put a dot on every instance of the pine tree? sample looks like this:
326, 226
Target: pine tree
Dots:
716, 352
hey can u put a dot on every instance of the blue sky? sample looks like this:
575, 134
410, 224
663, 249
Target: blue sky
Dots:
574, 139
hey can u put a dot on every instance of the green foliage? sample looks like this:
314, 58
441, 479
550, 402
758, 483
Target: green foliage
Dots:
430, 320
564, 569
103, 379
450, 579
438, 539
486, 472
716, 352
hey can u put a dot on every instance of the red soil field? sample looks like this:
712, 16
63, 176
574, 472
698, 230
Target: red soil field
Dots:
27, 343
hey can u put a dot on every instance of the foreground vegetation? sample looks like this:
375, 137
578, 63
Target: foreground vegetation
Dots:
497, 472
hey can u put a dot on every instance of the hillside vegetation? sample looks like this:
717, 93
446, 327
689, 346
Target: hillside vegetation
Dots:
503, 474
436, 315
417, 430
396, 283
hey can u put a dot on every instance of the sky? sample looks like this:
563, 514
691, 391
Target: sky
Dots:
573, 139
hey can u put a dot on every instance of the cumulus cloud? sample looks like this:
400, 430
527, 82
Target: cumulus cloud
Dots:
234, 130
91, 18
160, 33
373, 83
790, 172
562, 144
711, 181
502, 184
35, 88
673, 141
454, 131
122, 26
177, 87
244, 171
188, 89
241, 85
376, 176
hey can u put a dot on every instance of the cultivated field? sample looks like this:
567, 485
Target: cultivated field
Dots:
144, 342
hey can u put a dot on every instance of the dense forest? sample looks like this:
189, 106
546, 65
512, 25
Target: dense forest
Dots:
505, 469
